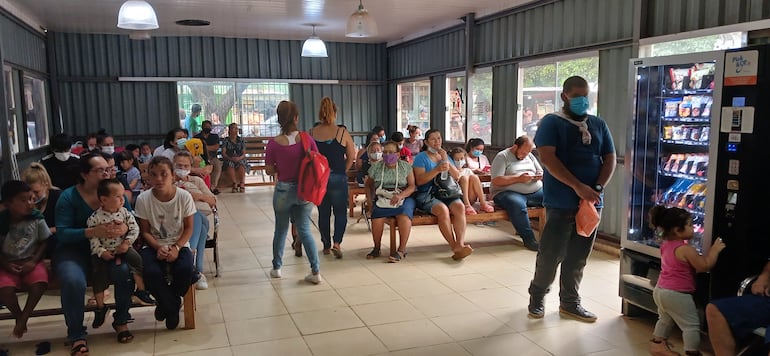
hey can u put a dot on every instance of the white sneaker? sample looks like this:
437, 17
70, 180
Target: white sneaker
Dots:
202, 283
275, 273
314, 278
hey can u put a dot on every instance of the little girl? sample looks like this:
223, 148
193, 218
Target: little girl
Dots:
23, 233
673, 293
470, 184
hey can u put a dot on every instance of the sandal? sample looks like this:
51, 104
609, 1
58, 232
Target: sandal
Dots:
235, 188
463, 253
242, 188
124, 336
79, 349
99, 315
487, 208
374, 254
396, 257
469, 210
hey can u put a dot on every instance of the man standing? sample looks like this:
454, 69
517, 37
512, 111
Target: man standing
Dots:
211, 142
191, 122
517, 184
579, 157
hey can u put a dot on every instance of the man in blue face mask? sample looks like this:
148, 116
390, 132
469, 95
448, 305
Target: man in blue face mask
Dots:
578, 154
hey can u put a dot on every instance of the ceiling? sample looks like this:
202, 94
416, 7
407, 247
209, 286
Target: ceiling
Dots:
397, 20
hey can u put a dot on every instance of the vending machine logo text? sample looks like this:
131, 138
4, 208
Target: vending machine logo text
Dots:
740, 62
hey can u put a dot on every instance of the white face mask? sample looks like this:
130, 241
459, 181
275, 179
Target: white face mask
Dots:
108, 149
375, 156
62, 156
91, 148
400, 147
181, 173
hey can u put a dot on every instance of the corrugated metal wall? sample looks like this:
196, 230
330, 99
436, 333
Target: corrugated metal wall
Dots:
665, 17
504, 104
615, 110
21, 46
441, 52
552, 27
88, 67
358, 106
438, 109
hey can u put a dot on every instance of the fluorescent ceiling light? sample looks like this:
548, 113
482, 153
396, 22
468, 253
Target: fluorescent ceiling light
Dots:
137, 15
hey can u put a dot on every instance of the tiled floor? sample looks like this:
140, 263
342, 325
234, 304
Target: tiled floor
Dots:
424, 305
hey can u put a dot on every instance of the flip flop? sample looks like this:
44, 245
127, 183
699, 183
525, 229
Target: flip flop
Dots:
80, 349
124, 336
469, 210
396, 257
374, 254
487, 208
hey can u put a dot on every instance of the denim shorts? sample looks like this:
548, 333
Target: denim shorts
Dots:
745, 313
425, 201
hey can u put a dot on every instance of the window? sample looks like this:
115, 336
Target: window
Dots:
455, 109
480, 124
251, 105
413, 105
10, 100
695, 44
35, 112
540, 89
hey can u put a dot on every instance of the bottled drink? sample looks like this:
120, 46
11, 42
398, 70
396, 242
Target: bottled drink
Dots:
444, 174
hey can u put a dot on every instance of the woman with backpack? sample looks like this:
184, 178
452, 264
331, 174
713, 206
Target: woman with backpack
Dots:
283, 157
337, 145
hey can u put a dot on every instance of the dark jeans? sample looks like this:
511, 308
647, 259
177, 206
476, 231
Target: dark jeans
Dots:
560, 244
515, 204
100, 279
158, 273
72, 265
336, 199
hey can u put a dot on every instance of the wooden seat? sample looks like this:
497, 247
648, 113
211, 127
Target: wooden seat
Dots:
255, 156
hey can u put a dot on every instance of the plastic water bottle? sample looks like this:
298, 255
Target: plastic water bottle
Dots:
444, 174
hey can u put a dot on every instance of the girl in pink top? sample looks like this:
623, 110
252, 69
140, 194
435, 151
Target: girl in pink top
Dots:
673, 293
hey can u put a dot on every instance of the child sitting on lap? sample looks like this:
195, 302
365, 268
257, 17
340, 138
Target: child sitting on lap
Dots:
470, 184
108, 251
23, 233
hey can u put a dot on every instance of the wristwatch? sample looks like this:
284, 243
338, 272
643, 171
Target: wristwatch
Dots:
599, 188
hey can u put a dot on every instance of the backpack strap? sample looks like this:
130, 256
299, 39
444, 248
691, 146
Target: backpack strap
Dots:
305, 141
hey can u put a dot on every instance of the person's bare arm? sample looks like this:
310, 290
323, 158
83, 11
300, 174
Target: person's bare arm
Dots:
350, 150
699, 262
609, 162
762, 285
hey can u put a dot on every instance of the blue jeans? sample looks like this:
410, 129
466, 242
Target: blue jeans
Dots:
288, 207
198, 239
155, 278
560, 243
72, 265
515, 204
336, 199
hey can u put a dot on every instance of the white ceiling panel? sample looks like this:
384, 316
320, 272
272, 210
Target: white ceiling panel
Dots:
271, 19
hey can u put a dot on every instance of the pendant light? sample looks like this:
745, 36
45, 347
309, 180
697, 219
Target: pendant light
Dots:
361, 24
137, 15
314, 46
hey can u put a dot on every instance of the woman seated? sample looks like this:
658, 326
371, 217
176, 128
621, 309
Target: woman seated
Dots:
476, 160
470, 184
205, 201
431, 162
392, 182
234, 158
165, 214
45, 197
361, 154
373, 154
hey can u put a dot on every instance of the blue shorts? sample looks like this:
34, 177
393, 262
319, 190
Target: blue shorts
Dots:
425, 201
745, 313
407, 208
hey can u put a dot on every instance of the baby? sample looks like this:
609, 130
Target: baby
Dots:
107, 251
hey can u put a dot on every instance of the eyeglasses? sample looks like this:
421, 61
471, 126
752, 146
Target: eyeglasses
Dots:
107, 170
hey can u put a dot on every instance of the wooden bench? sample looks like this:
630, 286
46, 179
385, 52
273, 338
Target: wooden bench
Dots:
255, 155
423, 218
188, 300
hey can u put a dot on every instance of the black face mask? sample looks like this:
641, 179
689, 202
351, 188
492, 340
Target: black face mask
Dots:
206, 130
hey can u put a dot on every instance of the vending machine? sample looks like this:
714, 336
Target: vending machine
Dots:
670, 160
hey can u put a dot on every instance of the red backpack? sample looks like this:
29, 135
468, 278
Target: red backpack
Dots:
313, 173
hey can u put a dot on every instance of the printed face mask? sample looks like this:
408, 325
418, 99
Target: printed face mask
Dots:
62, 156
390, 158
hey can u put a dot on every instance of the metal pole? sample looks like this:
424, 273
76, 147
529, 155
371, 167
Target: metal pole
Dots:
470, 25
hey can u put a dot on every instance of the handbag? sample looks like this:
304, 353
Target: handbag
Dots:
384, 196
446, 188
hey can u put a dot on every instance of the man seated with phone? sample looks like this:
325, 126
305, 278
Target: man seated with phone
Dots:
517, 183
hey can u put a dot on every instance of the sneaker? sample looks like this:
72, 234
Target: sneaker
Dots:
172, 321
215, 191
536, 308
159, 315
577, 312
144, 297
313, 278
275, 273
202, 283
532, 245
661, 348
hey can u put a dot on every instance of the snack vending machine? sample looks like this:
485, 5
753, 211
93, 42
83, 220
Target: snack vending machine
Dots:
669, 159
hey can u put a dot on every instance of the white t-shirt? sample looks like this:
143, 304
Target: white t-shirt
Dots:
506, 164
100, 216
195, 184
166, 218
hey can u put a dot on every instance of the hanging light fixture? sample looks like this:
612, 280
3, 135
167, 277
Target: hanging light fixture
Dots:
137, 15
314, 46
361, 24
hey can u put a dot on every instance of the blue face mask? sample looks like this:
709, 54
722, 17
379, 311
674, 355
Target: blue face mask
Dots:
476, 153
382, 139
578, 105
180, 143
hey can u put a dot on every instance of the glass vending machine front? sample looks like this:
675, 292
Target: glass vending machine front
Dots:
669, 149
